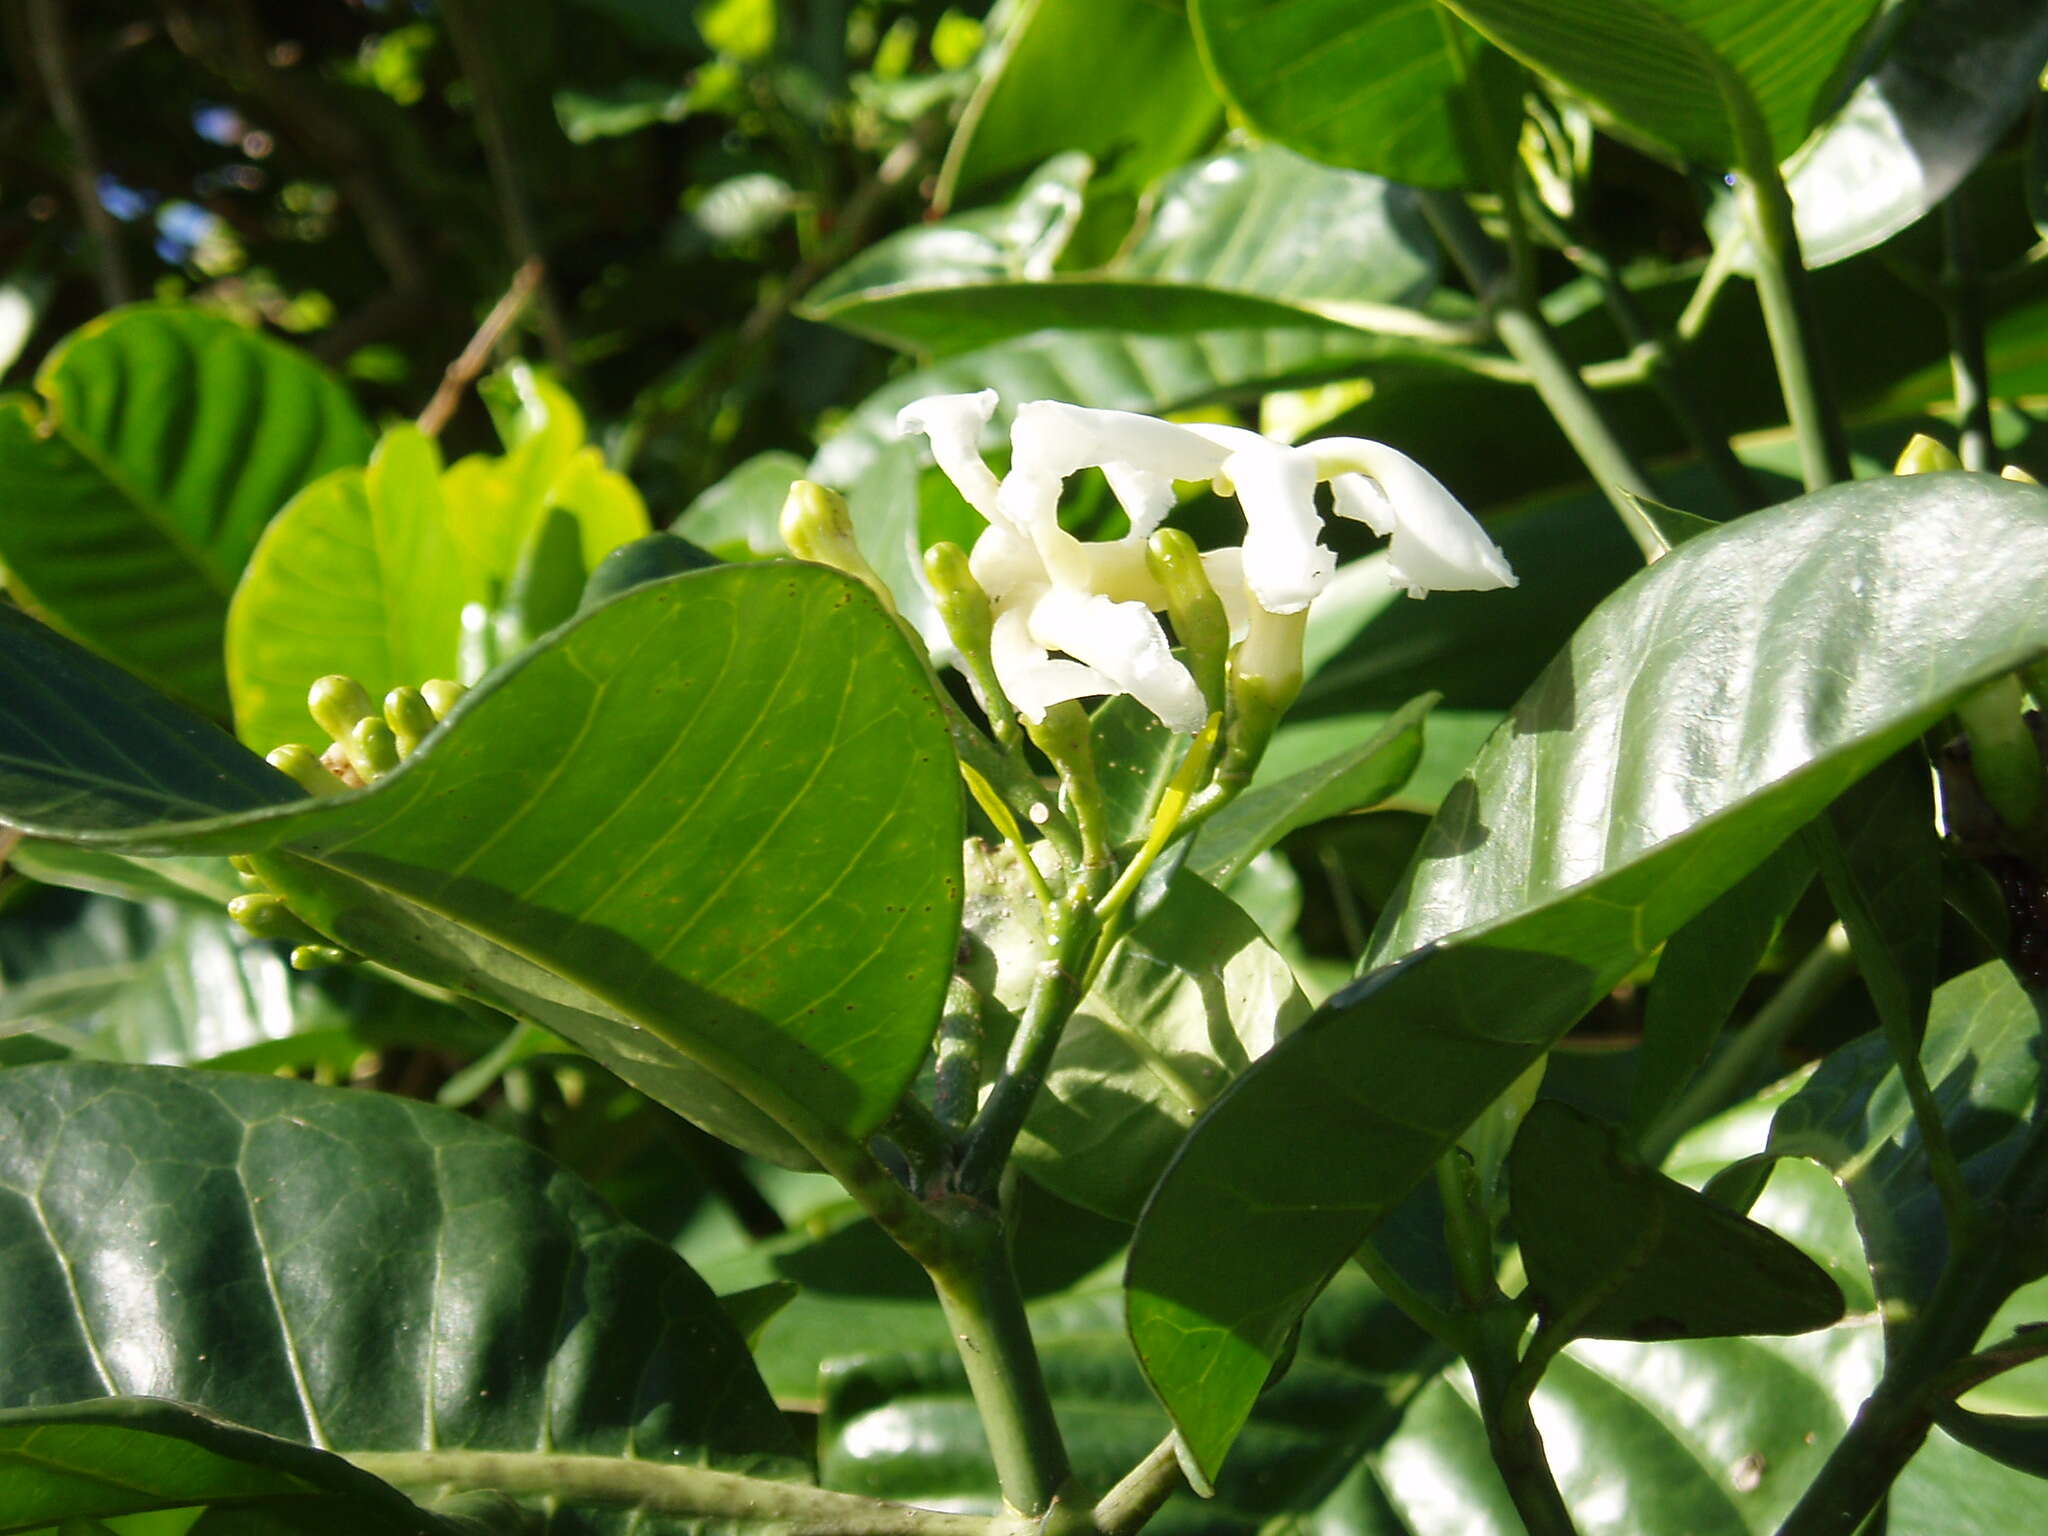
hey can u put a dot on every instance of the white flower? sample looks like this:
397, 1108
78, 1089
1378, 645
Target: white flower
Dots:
1094, 603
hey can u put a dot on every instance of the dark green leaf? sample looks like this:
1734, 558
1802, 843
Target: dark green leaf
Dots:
1116, 79
1881, 858
351, 1271
1368, 773
736, 518
1702, 974
1379, 86
2008, 1438
1629, 788
747, 865
1671, 526
116, 1456
1622, 1252
1683, 73
1956, 78
203, 880
1255, 238
1980, 1055
752, 1310
136, 490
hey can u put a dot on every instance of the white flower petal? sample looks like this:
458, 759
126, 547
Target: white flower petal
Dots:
953, 424
1438, 546
1284, 564
1359, 498
1033, 680
1053, 438
1225, 569
1124, 643
1005, 563
1145, 497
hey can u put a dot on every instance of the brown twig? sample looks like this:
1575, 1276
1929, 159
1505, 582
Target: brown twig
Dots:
475, 357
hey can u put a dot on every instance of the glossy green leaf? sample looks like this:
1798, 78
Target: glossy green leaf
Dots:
1683, 74
179, 1235
137, 486
116, 1456
1703, 973
1881, 860
1620, 1251
1980, 1056
1378, 86
1135, 758
1575, 845
1190, 998
159, 982
1257, 237
1352, 780
1116, 79
358, 575
1955, 79
760, 883
204, 880
736, 518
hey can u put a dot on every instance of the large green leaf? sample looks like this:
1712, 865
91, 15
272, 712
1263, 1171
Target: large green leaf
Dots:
710, 826
1631, 785
160, 982
1685, 75
350, 1271
358, 575
1117, 79
137, 487
122, 1456
1258, 237
1623, 1252
1956, 78
1981, 1058
1373, 84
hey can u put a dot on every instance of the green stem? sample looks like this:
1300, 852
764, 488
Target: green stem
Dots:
1813, 981
1137, 1496
667, 1488
1517, 1451
1466, 1231
1963, 307
1664, 372
986, 1147
1788, 315
1446, 1327
1527, 335
978, 1292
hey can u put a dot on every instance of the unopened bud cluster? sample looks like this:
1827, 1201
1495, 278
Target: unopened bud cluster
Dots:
365, 744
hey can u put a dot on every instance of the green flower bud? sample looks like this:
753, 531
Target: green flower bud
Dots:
970, 622
817, 527
1064, 737
1199, 621
1922, 455
314, 957
267, 917
441, 695
372, 748
337, 703
1265, 678
304, 768
410, 717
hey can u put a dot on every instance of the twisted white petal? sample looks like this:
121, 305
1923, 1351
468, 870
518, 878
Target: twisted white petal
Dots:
1437, 545
953, 424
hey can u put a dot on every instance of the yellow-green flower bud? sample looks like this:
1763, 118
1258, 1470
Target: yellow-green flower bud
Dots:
1265, 678
410, 717
2014, 473
441, 695
1199, 622
817, 527
372, 748
1923, 455
970, 623
303, 767
337, 703
267, 917
314, 957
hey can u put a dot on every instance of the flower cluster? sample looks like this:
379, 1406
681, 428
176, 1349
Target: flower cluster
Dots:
1075, 619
